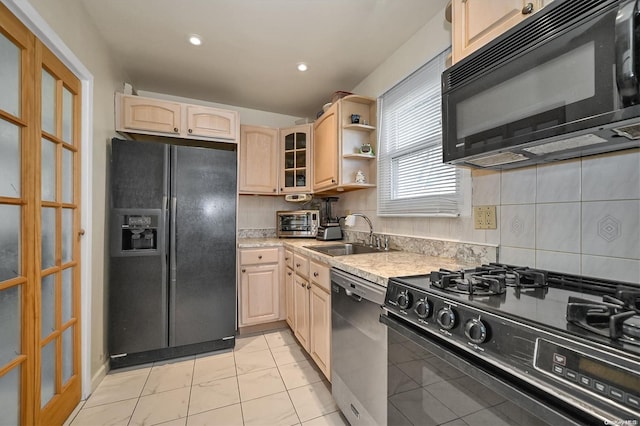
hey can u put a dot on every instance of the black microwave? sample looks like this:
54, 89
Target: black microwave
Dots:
562, 84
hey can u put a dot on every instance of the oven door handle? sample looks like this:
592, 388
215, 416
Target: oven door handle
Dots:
626, 73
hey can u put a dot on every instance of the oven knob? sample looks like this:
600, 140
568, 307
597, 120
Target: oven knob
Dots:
422, 308
404, 300
446, 318
476, 330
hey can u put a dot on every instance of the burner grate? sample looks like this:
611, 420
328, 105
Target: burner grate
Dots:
616, 318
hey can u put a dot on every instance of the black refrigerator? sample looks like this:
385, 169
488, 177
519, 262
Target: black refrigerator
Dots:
172, 269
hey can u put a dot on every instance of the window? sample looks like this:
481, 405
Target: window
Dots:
412, 180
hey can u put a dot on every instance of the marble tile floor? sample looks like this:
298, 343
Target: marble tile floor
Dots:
268, 379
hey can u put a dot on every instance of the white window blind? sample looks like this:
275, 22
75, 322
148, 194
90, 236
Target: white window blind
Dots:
412, 180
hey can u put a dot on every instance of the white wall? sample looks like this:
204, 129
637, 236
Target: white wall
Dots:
580, 216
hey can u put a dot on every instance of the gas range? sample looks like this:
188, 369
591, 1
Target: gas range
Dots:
570, 338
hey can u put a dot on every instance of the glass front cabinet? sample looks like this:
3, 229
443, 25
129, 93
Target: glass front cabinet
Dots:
295, 154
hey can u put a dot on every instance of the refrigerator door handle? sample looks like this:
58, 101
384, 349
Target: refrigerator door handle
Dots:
172, 271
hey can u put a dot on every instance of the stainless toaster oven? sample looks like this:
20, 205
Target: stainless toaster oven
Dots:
297, 223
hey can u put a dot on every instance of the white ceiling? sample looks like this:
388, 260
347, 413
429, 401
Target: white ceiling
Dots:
251, 47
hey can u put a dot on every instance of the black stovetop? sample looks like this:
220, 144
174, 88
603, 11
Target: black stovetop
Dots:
542, 306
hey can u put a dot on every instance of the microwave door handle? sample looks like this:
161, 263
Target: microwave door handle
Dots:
626, 75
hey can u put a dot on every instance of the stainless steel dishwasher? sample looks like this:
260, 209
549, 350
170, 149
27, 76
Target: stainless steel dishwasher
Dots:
358, 349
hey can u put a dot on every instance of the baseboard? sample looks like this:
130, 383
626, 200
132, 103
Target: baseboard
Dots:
97, 378
259, 328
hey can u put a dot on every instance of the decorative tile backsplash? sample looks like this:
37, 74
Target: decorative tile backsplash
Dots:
579, 216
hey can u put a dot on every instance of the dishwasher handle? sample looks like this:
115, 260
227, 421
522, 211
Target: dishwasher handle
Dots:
355, 285
354, 296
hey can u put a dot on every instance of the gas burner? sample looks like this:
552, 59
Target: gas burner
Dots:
471, 282
517, 276
617, 318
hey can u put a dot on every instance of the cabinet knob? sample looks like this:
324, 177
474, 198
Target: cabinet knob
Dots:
315, 274
281, 189
244, 270
286, 258
302, 284
259, 256
190, 131
275, 190
175, 129
297, 265
333, 181
289, 273
527, 9
308, 286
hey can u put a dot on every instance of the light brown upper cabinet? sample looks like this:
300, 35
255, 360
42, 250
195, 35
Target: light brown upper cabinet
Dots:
345, 144
258, 160
476, 22
275, 161
150, 116
295, 159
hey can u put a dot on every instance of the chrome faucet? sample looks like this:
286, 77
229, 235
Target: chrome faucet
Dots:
350, 220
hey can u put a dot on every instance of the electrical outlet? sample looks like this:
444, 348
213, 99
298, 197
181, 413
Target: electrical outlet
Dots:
490, 216
478, 217
484, 217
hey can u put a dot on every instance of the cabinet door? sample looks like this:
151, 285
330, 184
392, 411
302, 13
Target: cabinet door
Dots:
152, 115
211, 122
259, 294
295, 159
258, 160
476, 22
301, 311
320, 315
289, 297
325, 150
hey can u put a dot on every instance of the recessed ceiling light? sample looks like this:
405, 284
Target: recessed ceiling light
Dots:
302, 66
195, 39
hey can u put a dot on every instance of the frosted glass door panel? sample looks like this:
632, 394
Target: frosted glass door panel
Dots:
48, 170
47, 305
67, 115
10, 397
10, 318
67, 294
48, 372
48, 103
67, 354
67, 235
10, 247
67, 176
9, 160
48, 237
9, 76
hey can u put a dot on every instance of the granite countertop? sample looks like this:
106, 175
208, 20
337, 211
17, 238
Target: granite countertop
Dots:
376, 267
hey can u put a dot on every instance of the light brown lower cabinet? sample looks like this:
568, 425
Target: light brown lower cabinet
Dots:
311, 306
259, 286
302, 328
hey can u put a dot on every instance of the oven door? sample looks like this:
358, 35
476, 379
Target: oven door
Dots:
569, 83
430, 383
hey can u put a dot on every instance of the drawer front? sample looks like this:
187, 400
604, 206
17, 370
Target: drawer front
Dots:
258, 256
302, 265
288, 258
320, 274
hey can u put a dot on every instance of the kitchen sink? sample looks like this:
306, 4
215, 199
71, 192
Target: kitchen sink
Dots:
344, 249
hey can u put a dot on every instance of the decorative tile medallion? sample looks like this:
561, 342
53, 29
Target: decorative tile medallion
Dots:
609, 228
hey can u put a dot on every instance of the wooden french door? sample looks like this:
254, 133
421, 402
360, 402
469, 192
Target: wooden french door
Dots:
39, 230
